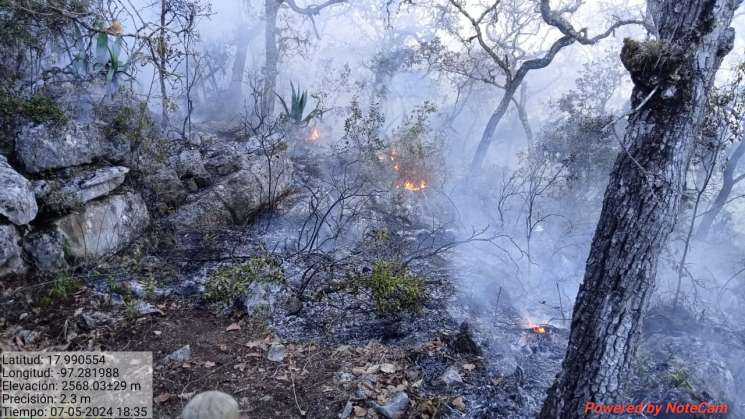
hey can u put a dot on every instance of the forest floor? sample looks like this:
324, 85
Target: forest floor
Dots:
231, 353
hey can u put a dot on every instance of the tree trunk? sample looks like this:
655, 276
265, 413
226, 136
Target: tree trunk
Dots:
239, 63
271, 64
522, 113
488, 135
728, 183
641, 202
238, 71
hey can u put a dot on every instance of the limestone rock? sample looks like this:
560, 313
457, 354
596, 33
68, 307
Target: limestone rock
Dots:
17, 202
164, 190
237, 197
65, 194
276, 352
223, 163
211, 405
44, 147
189, 165
103, 227
261, 298
10, 251
182, 354
46, 250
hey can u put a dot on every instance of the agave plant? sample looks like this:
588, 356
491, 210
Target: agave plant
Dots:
296, 109
108, 58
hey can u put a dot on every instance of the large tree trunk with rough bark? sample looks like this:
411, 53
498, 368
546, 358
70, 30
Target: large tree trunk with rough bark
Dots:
642, 198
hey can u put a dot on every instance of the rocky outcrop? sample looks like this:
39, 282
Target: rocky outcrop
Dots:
10, 251
64, 194
103, 227
190, 168
17, 202
236, 198
45, 250
164, 190
45, 147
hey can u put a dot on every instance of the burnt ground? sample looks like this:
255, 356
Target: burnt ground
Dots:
315, 379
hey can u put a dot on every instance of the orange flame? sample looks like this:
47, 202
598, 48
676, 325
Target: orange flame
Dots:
536, 328
413, 186
314, 134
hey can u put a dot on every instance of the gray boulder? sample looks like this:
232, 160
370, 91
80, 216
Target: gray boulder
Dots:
223, 162
237, 197
164, 190
10, 251
17, 202
65, 194
261, 298
190, 165
46, 250
211, 405
44, 147
103, 227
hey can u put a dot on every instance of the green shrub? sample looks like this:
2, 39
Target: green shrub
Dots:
394, 289
227, 283
132, 122
39, 108
64, 286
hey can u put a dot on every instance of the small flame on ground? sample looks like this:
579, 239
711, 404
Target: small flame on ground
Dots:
314, 134
413, 186
536, 328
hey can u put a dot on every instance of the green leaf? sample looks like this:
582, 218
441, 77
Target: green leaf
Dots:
102, 48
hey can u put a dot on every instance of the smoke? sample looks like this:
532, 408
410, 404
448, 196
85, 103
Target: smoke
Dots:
371, 53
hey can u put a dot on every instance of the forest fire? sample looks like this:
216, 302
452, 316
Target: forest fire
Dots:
408, 170
414, 186
314, 134
536, 328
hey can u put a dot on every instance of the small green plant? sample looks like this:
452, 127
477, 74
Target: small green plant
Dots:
151, 285
228, 283
680, 378
64, 286
108, 60
295, 111
130, 309
394, 289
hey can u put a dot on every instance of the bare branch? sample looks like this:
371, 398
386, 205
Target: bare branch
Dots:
313, 9
479, 35
555, 19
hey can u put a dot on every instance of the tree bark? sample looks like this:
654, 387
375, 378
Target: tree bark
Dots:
239, 63
641, 202
728, 183
522, 113
271, 63
488, 135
